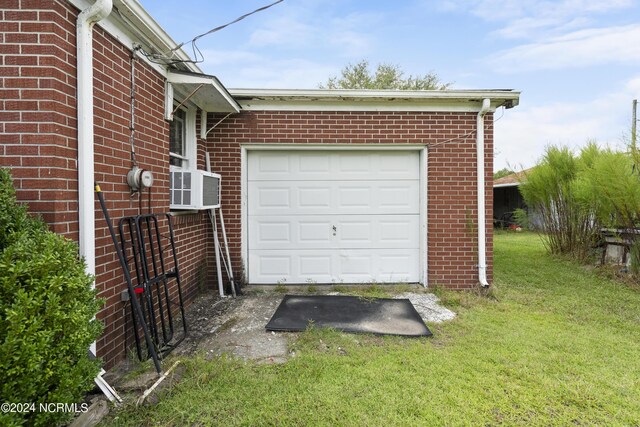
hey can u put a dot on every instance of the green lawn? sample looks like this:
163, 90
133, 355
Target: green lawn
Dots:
555, 345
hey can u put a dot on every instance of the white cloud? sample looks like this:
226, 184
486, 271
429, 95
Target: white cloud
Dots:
265, 72
529, 27
503, 10
350, 43
347, 35
283, 31
522, 134
215, 58
633, 86
589, 47
536, 19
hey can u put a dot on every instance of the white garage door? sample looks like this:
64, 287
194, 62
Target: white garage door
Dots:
333, 216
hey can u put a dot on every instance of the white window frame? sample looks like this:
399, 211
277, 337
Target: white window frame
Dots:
189, 159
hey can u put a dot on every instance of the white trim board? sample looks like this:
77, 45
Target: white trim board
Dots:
372, 100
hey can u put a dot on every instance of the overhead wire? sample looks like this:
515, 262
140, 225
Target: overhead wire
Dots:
459, 137
168, 58
455, 138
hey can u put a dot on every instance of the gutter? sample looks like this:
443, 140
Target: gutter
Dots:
86, 210
482, 244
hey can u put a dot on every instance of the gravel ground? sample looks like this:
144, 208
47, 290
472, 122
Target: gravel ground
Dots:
236, 326
428, 308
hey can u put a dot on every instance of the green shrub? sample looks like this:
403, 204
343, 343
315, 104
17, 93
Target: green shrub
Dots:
634, 253
521, 217
612, 189
568, 221
47, 309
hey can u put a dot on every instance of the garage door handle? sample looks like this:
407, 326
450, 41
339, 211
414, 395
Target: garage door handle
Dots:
334, 230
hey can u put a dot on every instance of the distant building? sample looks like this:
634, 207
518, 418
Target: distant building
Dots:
507, 198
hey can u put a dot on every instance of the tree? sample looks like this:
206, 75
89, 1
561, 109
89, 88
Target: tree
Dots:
502, 173
386, 76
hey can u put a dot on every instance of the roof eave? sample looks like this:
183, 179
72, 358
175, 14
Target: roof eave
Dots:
510, 184
145, 23
372, 100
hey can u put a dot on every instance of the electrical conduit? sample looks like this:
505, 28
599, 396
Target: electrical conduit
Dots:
482, 245
86, 212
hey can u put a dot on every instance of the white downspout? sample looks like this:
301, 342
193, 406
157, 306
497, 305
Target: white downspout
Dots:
86, 211
482, 244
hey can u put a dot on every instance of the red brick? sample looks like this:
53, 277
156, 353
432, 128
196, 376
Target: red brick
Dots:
46, 164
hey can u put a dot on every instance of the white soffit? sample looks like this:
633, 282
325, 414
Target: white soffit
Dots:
372, 100
202, 90
511, 184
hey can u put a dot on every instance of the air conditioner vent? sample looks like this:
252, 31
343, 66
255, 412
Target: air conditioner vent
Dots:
194, 189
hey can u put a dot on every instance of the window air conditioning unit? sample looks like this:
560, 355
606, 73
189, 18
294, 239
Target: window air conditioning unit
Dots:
194, 189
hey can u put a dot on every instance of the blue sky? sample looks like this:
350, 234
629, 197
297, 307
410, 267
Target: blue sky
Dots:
576, 62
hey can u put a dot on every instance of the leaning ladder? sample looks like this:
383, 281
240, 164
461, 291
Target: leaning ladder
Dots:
221, 257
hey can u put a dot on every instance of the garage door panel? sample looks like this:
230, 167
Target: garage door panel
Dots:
274, 163
314, 197
333, 266
351, 196
313, 164
315, 266
393, 265
274, 197
354, 167
312, 232
333, 216
398, 165
272, 266
354, 232
351, 232
336, 166
333, 198
399, 230
278, 233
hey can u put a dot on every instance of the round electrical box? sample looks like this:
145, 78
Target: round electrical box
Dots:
146, 179
139, 179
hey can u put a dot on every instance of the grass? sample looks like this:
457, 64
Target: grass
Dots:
555, 344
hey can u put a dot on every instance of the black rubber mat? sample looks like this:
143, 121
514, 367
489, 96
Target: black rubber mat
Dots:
348, 314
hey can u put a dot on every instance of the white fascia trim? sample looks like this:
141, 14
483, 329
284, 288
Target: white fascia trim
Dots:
244, 210
333, 147
177, 77
507, 185
371, 100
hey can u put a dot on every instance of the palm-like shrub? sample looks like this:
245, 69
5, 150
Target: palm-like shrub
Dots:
568, 221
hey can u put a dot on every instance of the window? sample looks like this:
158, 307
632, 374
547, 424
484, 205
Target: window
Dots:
178, 139
182, 157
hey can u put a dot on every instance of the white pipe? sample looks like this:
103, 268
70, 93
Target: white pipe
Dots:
146, 394
86, 211
482, 244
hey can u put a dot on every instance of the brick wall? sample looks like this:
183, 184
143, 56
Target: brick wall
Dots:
452, 212
38, 131
37, 108
38, 136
